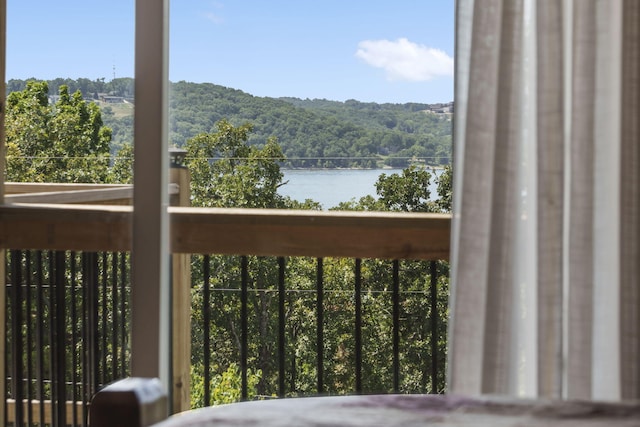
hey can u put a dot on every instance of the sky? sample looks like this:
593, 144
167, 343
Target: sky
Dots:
370, 50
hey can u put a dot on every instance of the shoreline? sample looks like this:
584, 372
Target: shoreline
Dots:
357, 169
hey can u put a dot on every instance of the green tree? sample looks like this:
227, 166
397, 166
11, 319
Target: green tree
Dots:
63, 142
228, 172
445, 189
121, 172
408, 192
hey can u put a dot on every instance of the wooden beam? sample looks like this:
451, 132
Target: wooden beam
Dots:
51, 187
310, 233
74, 193
73, 196
47, 187
233, 231
65, 227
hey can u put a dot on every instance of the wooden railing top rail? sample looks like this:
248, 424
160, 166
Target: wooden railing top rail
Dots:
73, 196
70, 227
46, 187
310, 233
72, 193
267, 232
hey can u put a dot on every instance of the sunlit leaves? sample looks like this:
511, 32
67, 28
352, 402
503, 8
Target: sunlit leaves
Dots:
60, 142
228, 172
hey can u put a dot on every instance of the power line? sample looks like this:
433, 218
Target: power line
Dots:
286, 159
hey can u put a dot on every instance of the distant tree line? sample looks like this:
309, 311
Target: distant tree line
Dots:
90, 89
312, 133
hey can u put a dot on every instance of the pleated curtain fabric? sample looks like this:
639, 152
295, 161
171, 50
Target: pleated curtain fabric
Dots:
545, 298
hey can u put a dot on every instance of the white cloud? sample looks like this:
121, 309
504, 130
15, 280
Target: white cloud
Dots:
216, 19
214, 16
405, 60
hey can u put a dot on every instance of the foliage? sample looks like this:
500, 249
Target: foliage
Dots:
316, 133
403, 134
225, 387
312, 133
406, 192
122, 169
63, 142
90, 89
228, 172
445, 190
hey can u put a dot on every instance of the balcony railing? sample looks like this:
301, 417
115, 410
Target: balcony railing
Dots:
68, 314
72, 260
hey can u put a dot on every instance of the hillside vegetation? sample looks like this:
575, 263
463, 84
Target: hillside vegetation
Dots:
314, 133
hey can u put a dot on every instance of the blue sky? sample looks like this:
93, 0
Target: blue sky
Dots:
369, 50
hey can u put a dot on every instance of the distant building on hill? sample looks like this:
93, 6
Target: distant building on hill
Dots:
109, 99
446, 108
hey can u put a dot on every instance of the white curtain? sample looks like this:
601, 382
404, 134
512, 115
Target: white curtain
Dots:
545, 297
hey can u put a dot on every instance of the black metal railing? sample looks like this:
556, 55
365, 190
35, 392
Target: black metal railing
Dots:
277, 327
262, 327
67, 335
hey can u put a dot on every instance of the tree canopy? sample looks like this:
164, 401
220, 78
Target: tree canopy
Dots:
60, 142
317, 133
314, 133
227, 172
407, 191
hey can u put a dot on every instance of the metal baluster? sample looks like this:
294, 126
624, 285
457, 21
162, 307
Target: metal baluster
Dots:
358, 325
244, 293
29, 334
396, 326
86, 333
74, 337
94, 324
40, 327
51, 327
61, 335
103, 328
16, 334
320, 323
434, 325
281, 326
206, 308
124, 279
115, 315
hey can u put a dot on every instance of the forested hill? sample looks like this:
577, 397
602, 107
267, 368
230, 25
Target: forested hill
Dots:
312, 133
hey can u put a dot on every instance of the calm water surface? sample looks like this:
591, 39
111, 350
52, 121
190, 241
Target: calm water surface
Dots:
329, 187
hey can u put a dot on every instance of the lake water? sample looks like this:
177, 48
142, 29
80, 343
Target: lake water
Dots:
329, 187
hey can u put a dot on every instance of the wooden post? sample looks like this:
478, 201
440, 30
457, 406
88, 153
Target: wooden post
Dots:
181, 309
131, 402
